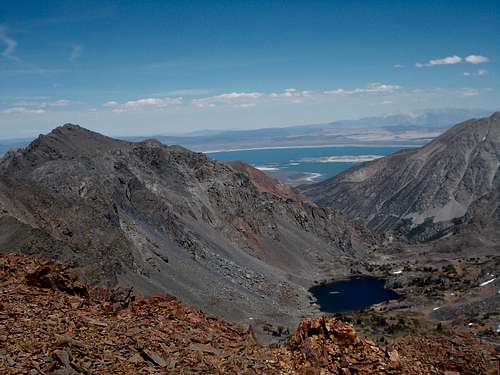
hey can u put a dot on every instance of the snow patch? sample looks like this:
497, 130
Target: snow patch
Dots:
341, 159
264, 168
451, 210
487, 282
312, 176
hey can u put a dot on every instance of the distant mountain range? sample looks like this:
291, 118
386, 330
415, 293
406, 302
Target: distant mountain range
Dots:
415, 128
424, 193
396, 129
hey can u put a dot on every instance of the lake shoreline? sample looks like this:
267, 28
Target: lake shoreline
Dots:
351, 294
310, 146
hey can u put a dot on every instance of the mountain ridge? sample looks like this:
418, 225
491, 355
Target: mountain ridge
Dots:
426, 192
152, 216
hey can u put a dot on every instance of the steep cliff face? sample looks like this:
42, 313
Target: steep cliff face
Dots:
427, 192
164, 219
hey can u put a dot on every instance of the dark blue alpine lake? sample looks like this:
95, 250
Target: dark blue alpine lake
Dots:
351, 294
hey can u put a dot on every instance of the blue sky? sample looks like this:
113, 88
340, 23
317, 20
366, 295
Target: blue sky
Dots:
161, 67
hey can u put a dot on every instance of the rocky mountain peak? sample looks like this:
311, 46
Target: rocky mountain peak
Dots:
152, 216
495, 116
426, 192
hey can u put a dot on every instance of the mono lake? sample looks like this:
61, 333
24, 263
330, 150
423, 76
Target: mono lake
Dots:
351, 294
305, 165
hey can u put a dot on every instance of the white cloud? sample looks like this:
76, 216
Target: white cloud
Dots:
76, 52
60, 103
292, 95
371, 88
443, 92
378, 87
477, 59
45, 104
233, 98
35, 107
22, 110
139, 104
398, 66
9, 44
450, 60
289, 95
467, 91
480, 72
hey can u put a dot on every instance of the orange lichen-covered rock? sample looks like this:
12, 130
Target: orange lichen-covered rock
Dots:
50, 323
333, 345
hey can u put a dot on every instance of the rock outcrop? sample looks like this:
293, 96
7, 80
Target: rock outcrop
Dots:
424, 193
49, 327
163, 219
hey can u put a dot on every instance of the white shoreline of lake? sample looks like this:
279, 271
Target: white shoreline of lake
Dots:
308, 146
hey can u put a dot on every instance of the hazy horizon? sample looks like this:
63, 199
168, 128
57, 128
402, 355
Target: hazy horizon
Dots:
202, 131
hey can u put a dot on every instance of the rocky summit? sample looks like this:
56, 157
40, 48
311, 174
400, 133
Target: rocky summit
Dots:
162, 219
424, 193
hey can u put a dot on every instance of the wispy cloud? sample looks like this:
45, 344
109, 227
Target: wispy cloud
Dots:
439, 91
376, 93
479, 72
239, 99
139, 104
36, 107
468, 92
23, 110
57, 103
9, 43
76, 52
452, 60
371, 88
31, 70
289, 95
398, 66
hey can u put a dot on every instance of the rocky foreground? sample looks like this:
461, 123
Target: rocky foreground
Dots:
52, 323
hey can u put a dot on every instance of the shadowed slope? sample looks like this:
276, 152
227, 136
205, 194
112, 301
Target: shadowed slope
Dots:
164, 219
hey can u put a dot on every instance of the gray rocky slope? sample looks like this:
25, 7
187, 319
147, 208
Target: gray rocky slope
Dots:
224, 238
425, 193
